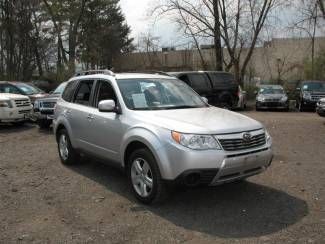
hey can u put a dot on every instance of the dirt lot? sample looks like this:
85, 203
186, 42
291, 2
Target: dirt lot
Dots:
42, 201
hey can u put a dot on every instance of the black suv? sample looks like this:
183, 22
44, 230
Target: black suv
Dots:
220, 88
309, 93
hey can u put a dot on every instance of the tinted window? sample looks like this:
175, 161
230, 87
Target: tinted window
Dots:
28, 89
314, 86
69, 90
9, 89
60, 88
105, 92
83, 93
199, 82
222, 79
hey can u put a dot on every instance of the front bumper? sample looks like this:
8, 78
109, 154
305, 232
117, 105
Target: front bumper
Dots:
8, 115
320, 110
213, 167
44, 114
274, 105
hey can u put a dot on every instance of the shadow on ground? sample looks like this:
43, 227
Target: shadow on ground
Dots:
13, 128
235, 210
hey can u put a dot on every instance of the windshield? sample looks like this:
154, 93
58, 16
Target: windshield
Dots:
158, 94
314, 86
28, 89
270, 90
60, 88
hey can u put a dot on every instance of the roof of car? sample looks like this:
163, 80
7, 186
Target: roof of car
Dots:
196, 72
271, 86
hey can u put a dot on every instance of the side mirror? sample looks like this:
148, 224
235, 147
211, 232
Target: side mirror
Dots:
107, 106
51, 92
205, 99
298, 89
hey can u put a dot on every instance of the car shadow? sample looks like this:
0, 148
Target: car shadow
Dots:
236, 210
12, 128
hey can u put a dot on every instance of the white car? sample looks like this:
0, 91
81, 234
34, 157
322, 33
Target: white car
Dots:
14, 108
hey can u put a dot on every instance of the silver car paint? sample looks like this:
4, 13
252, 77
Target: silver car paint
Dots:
108, 134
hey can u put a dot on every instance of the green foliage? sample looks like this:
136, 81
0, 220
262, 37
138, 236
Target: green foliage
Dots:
104, 34
318, 69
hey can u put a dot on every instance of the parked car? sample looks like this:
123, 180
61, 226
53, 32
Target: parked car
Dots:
320, 108
159, 130
14, 108
44, 107
242, 99
309, 93
45, 85
22, 88
220, 88
272, 97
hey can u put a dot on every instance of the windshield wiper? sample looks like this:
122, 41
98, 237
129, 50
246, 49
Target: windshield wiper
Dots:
182, 106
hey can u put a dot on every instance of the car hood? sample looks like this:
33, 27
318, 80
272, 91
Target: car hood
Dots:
210, 120
8, 96
273, 96
37, 96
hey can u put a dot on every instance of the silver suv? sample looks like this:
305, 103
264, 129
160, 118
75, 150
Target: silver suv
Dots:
159, 130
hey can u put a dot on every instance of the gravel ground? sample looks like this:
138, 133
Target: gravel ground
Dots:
42, 201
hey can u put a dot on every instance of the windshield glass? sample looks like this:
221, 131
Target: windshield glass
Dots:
270, 90
314, 86
28, 89
60, 88
158, 94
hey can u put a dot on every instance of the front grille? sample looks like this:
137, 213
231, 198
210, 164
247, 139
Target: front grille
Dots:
22, 103
24, 111
272, 100
237, 144
316, 97
48, 104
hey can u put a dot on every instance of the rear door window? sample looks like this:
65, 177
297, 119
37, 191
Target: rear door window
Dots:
84, 92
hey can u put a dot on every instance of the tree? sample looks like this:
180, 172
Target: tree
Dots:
308, 21
236, 24
104, 34
199, 18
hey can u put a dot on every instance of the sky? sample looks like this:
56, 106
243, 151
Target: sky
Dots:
136, 13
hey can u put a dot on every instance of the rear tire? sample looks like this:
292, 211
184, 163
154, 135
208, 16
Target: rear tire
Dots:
145, 178
67, 153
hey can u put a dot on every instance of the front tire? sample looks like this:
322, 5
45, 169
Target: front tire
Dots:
144, 177
67, 153
44, 124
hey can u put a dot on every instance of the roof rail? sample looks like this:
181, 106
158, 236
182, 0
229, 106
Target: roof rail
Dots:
94, 72
154, 72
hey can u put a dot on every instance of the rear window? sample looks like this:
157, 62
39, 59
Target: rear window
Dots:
222, 79
199, 82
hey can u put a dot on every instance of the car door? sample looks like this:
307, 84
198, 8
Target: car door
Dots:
78, 112
105, 128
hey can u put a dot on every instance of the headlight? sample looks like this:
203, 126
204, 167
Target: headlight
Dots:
260, 98
267, 136
284, 99
196, 142
306, 96
5, 104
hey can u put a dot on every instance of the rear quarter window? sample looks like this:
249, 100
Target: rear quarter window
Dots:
69, 91
199, 82
223, 81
